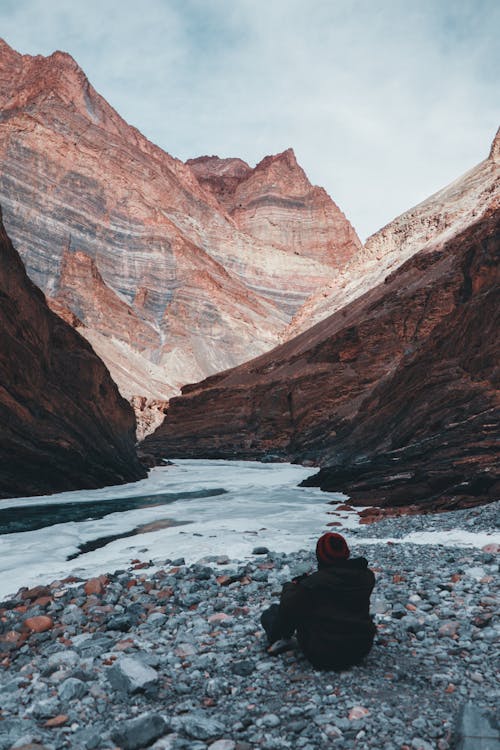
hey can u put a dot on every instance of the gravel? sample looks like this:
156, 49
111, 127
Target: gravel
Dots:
175, 658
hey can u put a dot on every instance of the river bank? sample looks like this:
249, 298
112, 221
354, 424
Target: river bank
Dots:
174, 657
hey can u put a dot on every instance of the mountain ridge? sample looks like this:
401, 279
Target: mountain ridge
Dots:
75, 178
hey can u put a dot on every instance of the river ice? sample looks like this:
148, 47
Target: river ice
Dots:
263, 506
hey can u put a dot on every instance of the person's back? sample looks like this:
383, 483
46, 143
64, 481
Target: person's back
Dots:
330, 608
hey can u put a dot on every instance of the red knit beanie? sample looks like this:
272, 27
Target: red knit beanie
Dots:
330, 548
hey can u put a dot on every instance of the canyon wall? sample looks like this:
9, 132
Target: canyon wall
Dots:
167, 279
63, 423
396, 392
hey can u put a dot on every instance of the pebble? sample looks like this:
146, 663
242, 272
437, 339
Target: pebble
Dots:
174, 657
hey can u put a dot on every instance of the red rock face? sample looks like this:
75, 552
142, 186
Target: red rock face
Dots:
169, 280
276, 203
398, 389
63, 424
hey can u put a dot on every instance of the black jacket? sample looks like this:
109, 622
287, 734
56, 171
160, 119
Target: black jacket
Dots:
330, 610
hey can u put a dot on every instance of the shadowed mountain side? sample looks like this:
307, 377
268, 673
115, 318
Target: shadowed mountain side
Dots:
319, 397
430, 433
63, 424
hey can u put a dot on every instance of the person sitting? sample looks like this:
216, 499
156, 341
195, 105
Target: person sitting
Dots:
329, 609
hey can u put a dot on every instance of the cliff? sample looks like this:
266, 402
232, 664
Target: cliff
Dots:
169, 285
396, 392
63, 423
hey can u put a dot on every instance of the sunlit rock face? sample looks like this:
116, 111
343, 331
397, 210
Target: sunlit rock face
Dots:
169, 284
429, 225
276, 203
396, 392
63, 423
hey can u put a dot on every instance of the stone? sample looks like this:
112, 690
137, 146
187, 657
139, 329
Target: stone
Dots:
56, 721
88, 737
36, 593
474, 731
358, 712
45, 708
202, 727
67, 658
72, 615
130, 675
491, 548
449, 629
94, 586
71, 688
39, 624
139, 732
222, 745
243, 668
123, 623
418, 743
260, 551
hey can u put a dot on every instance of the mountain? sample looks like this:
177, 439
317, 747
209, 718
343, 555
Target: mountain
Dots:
396, 392
426, 226
276, 203
168, 279
63, 423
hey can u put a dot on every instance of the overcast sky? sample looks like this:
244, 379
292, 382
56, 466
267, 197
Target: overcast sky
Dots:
383, 101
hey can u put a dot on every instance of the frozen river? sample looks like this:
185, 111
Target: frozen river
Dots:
191, 510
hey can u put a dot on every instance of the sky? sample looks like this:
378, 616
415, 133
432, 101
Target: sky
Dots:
383, 101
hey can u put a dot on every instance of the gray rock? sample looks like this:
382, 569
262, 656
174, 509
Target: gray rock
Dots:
71, 688
243, 668
201, 727
72, 615
260, 551
123, 623
88, 738
45, 708
139, 732
64, 659
474, 731
131, 675
157, 619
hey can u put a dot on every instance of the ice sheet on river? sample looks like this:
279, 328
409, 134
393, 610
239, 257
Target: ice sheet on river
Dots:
262, 506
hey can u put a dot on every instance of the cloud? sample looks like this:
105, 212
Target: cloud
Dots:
383, 102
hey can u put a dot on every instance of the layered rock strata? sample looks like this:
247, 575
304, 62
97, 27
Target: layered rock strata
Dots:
276, 203
170, 282
63, 423
398, 389
429, 225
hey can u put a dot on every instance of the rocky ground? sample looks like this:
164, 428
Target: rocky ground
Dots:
174, 658
482, 518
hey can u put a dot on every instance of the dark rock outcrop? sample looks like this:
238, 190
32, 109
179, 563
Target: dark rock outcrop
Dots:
63, 424
397, 390
429, 433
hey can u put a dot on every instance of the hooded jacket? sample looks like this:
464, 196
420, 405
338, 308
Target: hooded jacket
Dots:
330, 610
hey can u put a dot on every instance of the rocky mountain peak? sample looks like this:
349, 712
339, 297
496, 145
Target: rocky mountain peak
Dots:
495, 148
283, 166
175, 270
209, 166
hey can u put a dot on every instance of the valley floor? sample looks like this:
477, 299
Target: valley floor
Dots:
173, 654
